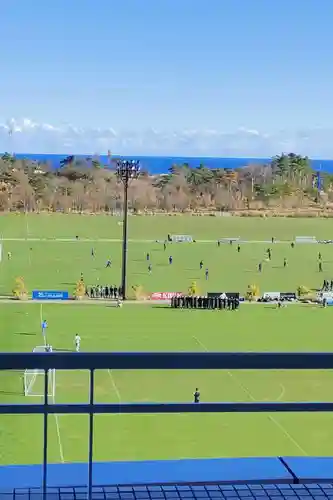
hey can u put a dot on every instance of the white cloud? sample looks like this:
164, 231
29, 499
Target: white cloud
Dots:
28, 136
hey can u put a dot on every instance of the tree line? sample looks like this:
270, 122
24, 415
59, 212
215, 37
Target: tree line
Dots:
86, 185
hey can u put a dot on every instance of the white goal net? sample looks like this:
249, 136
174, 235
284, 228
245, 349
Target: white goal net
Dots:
34, 380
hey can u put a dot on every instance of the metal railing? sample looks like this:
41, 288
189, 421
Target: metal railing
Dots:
155, 361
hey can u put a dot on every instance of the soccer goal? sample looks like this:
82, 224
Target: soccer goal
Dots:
34, 380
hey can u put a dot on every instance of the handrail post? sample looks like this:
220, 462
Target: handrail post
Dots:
91, 434
46, 394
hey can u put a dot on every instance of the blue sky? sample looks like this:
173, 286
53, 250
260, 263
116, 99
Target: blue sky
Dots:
168, 64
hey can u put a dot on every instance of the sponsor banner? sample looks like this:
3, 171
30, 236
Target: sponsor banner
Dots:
227, 240
288, 296
165, 295
49, 295
181, 238
324, 295
306, 239
222, 295
271, 296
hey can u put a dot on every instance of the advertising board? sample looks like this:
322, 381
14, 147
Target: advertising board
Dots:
165, 295
50, 295
288, 296
271, 296
229, 295
182, 238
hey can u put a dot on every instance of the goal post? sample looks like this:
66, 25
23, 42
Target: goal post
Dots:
34, 379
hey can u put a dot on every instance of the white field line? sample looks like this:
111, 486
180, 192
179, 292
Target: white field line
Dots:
114, 385
119, 240
61, 450
250, 395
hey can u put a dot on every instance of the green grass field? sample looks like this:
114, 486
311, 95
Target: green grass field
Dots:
58, 264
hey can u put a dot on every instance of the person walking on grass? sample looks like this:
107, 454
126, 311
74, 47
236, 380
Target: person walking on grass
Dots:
77, 342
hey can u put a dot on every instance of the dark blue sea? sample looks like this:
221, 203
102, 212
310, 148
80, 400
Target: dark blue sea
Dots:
161, 164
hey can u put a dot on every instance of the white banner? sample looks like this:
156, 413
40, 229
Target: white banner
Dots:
272, 295
181, 238
324, 295
227, 240
306, 239
165, 295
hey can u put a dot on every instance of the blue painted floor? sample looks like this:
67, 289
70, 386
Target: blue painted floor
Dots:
246, 470
293, 478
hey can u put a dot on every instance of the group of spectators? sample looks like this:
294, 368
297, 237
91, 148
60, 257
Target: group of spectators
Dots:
327, 286
104, 292
193, 302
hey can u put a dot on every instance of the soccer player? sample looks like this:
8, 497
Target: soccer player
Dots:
201, 264
77, 341
44, 327
320, 266
207, 273
238, 248
148, 257
164, 246
92, 252
9, 255
269, 253
319, 256
260, 267
150, 268
285, 262
196, 396
108, 263
170, 259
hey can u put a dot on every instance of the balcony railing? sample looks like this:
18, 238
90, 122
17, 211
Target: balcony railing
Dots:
155, 361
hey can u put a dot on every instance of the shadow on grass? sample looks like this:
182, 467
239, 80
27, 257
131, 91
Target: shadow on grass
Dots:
24, 333
11, 393
156, 306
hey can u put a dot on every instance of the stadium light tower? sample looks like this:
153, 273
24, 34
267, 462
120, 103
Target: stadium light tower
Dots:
126, 171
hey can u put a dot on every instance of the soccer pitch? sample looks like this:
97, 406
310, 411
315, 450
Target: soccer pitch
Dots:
57, 264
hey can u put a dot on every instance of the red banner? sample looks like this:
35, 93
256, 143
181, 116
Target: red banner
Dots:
165, 295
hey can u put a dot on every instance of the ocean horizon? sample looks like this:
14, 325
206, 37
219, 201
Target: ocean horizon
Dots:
156, 165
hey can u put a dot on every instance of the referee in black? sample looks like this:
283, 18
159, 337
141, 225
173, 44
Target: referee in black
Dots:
196, 396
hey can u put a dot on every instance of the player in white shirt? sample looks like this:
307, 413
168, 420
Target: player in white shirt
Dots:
77, 342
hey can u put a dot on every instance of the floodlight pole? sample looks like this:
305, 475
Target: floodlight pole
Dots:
125, 242
126, 171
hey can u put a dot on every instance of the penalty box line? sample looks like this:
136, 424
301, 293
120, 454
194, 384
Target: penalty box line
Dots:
250, 395
61, 448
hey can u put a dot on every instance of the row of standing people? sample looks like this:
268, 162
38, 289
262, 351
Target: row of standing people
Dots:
104, 292
194, 302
